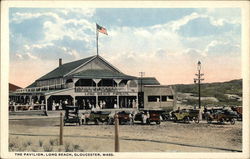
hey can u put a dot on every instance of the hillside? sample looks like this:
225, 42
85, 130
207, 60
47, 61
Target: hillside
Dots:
219, 93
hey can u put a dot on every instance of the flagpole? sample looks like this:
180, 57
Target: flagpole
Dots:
96, 40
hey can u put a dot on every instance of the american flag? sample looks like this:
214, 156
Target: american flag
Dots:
101, 29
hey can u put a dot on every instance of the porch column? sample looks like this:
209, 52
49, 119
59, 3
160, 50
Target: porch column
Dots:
96, 93
24, 99
118, 104
117, 81
15, 103
74, 100
74, 82
30, 98
38, 98
46, 102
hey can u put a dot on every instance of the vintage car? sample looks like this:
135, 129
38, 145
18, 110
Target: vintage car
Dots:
71, 115
149, 116
208, 111
125, 117
186, 115
238, 110
96, 116
166, 116
221, 116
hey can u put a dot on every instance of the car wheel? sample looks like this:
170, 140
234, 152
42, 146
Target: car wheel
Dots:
232, 121
186, 119
148, 121
221, 121
96, 122
175, 119
209, 120
158, 122
196, 120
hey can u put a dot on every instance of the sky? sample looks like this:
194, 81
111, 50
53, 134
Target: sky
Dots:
165, 43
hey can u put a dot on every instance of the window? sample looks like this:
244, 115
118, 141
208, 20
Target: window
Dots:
164, 98
153, 98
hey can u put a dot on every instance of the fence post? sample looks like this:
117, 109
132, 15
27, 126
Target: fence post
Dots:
117, 146
61, 129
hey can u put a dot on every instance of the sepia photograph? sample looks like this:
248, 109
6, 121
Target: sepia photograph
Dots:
107, 80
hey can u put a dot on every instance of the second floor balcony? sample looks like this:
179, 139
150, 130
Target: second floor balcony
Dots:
106, 89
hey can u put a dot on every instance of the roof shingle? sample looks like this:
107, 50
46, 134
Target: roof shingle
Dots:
95, 73
64, 69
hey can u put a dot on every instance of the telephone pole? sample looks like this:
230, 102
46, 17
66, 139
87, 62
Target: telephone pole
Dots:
199, 79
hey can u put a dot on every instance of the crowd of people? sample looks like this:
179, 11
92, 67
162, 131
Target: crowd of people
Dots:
90, 104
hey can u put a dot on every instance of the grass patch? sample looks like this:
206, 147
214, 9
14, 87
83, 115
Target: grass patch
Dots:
47, 148
40, 143
53, 142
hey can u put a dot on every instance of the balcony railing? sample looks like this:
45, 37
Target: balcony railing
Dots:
41, 89
106, 89
79, 89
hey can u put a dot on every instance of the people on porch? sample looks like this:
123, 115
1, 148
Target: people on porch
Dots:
53, 105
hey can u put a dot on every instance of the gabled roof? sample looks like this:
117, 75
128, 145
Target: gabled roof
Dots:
94, 73
13, 87
148, 81
65, 68
68, 69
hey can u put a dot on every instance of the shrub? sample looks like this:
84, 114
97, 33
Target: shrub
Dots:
29, 143
53, 142
75, 147
12, 145
40, 143
68, 147
47, 148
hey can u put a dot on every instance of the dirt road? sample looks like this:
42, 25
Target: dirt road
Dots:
167, 137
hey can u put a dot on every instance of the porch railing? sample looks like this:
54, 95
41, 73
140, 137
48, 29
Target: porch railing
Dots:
41, 89
106, 89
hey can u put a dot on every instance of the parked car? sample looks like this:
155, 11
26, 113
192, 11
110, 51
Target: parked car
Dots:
186, 115
71, 115
149, 116
221, 116
209, 111
96, 116
125, 117
238, 110
166, 116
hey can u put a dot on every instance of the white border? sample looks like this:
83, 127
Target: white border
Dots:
244, 5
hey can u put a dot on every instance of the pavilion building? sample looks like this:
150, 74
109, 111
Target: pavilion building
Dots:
91, 82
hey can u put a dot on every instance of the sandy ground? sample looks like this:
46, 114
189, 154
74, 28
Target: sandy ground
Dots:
167, 137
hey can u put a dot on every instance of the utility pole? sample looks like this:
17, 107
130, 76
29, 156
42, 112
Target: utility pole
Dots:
199, 79
117, 143
61, 129
141, 93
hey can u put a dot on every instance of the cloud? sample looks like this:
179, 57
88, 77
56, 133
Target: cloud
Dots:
26, 56
156, 49
175, 25
222, 48
205, 26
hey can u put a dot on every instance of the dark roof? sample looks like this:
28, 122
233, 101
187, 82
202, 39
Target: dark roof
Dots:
148, 81
94, 73
13, 87
31, 85
64, 69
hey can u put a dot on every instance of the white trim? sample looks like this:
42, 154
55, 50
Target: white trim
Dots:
57, 91
96, 56
109, 64
80, 66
